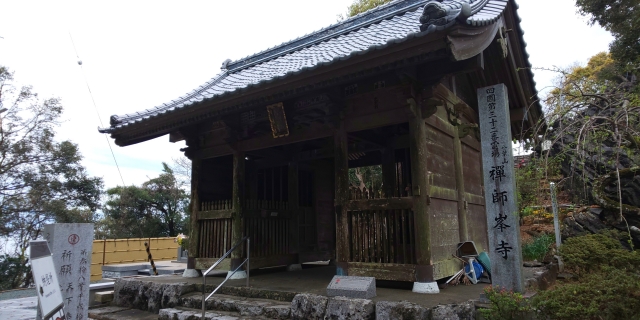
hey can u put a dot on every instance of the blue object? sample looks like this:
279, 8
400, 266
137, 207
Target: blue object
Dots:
476, 267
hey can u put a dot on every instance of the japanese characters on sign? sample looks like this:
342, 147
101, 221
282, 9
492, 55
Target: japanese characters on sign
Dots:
499, 183
46, 281
71, 245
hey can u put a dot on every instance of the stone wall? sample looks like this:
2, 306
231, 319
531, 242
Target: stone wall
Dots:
151, 296
148, 296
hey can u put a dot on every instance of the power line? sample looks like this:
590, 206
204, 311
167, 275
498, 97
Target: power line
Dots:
96, 109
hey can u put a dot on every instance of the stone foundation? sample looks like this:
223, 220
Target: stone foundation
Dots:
152, 297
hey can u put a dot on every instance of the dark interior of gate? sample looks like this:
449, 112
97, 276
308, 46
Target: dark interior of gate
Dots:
287, 196
370, 158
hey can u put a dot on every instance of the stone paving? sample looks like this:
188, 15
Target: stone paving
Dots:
19, 309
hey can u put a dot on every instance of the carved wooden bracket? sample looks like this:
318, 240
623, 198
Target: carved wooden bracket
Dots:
453, 114
430, 107
469, 128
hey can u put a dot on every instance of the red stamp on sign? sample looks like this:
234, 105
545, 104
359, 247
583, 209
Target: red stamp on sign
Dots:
74, 238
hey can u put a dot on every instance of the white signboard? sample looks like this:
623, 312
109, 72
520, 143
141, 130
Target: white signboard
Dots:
46, 279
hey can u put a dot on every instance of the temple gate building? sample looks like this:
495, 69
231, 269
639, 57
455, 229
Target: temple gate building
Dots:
273, 136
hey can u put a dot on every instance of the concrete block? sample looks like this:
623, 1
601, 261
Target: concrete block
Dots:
104, 297
352, 287
426, 287
294, 267
126, 267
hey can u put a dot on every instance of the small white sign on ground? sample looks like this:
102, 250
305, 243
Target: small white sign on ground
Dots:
46, 279
352, 287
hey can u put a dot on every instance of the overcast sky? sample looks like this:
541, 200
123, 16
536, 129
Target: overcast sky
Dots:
138, 54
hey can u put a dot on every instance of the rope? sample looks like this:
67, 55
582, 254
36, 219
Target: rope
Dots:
153, 265
95, 107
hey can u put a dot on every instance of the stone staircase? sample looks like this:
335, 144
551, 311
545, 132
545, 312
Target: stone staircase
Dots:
222, 306
167, 299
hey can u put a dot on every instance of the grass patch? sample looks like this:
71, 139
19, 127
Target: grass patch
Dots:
537, 248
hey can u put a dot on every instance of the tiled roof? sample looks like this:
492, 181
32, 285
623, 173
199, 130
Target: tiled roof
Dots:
392, 23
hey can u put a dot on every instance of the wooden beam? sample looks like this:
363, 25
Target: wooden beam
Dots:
237, 200
176, 136
215, 214
341, 193
262, 142
294, 246
194, 206
377, 145
379, 119
463, 232
389, 171
513, 68
516, 115
383, 271
380, 204
418, 151
268, 153
427, 48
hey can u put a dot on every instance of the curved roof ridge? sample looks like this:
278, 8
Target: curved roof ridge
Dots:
118, 119
353, 23
375, 29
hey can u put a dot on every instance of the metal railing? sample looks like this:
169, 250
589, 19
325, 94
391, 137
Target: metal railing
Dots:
204, 274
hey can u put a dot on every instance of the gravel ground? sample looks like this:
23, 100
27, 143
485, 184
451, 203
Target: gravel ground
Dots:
19, 293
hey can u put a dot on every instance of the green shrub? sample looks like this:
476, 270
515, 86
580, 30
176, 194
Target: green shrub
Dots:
538, 248
505, 305
607, 285
608, 294
586, 254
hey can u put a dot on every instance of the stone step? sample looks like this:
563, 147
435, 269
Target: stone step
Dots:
104, 296
252, 307
119, 313
181, 313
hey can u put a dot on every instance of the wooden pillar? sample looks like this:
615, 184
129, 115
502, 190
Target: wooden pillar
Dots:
389, 172
194, 234
418, 149
237, 200
462, 203
294, 229
341, 197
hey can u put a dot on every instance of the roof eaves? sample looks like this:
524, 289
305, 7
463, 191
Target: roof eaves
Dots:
436, 16
369, 17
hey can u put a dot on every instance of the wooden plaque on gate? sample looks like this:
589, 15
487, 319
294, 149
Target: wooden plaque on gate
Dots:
278, 119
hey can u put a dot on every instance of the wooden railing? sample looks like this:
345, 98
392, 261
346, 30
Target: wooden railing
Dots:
365, 193
215, 237
269, 230
269, 236
216, 205
382, 230
253, 204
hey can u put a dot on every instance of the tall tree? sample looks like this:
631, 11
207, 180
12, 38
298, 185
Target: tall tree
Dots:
594, 126
360, 6
622, 19
155, 209
41, 180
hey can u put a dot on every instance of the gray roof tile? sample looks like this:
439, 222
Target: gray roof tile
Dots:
387, 24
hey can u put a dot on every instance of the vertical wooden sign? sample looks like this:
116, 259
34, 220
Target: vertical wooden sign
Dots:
499, 188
